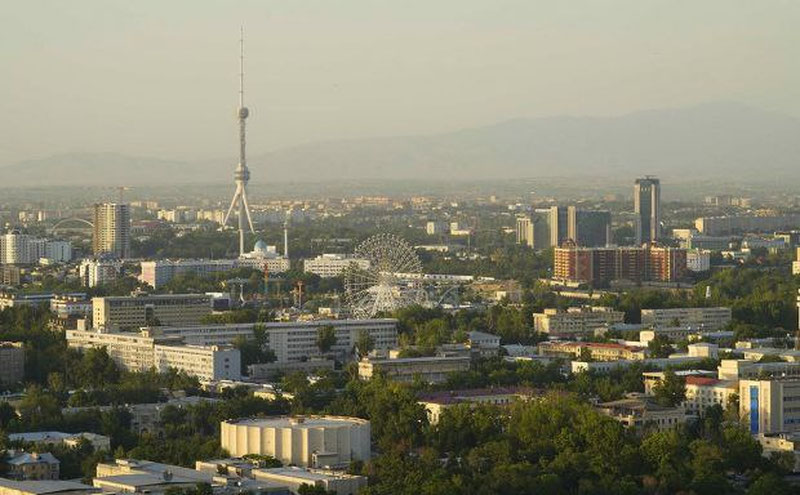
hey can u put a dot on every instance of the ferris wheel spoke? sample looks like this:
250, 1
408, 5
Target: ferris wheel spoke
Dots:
381, 287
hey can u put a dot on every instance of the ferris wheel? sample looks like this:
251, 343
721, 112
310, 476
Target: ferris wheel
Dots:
384, 275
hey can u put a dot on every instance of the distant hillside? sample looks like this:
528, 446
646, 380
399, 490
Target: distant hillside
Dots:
93, 169
705, 141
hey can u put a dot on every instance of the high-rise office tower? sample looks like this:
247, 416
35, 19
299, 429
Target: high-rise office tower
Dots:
647, 205
112, 229
525, 231
589, 228
551, 227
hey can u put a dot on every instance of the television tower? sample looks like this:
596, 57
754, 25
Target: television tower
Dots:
286, 234
242, 174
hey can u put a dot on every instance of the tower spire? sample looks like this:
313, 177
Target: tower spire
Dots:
241, 66
242, 175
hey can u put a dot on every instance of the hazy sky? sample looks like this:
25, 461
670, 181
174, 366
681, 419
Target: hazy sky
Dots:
159, 78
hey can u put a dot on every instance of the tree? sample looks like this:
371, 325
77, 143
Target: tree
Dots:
770, 484
326, 338
365, 343
671, 390
742, 452
39, 409
7, 415
659, 347
96, 369
254, 351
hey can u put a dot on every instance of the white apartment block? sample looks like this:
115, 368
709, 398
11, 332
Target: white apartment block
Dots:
140, 352
434, 227
269, 265
24, 249
698, 260
127, 312
157, 273
98, 272
58, 251
66, 306
297, 340
703, 392
292, 342
207, 363
575, 320
16, 299
701, 318
771, 405
735, 369
332, 265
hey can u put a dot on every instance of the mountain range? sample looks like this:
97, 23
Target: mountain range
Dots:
711, 140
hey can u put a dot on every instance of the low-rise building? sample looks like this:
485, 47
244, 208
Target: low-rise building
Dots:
735, 369
598, 351
778, 443
332, 265
703, 350
49, 487
146, 477
575, 321
653, 378
99, 442
338, 482
697, 318
272, 370
483, 343
652, 363
429, 369
672, 333
145, 418
438, 402
757, 353
27, 466
642, 413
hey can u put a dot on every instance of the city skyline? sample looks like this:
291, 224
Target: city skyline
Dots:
326, 67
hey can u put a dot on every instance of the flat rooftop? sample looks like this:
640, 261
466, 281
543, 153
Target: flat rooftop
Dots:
299, 422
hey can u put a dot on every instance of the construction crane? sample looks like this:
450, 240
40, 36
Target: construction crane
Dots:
121, 191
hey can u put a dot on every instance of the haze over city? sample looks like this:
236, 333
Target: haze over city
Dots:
158, 80
385, 247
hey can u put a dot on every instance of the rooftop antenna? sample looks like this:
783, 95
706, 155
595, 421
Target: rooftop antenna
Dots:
242, 174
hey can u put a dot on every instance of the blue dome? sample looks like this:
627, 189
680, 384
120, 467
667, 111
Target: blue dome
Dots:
260, 247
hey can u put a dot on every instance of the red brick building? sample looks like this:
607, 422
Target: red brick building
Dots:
592, 265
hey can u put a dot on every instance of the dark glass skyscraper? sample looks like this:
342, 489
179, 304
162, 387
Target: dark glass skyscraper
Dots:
647, 205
